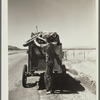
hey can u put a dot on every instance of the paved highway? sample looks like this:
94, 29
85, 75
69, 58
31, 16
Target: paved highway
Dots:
18, 92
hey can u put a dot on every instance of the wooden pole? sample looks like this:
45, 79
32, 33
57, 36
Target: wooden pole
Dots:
37, 29
65, 55
84, 54
73, 53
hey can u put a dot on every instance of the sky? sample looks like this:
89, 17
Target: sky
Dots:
73, 20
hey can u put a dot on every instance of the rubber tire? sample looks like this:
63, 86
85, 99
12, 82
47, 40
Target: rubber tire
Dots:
24, 76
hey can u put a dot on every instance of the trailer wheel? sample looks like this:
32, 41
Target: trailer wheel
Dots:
24, 76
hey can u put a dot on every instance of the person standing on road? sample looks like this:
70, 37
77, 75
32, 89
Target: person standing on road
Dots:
48, 76
51, 41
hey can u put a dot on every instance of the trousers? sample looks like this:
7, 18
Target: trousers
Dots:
48, 76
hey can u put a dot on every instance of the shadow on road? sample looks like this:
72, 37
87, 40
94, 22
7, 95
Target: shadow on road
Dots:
63, 82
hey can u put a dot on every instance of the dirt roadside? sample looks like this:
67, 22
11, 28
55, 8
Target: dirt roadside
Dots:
17, 92
85, 75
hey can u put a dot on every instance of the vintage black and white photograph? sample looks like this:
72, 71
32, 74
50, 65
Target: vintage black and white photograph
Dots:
52, 50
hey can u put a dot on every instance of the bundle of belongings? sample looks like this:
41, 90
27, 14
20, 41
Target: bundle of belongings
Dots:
53, 54
42, 38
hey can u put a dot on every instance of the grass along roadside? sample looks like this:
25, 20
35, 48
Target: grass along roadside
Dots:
84, 71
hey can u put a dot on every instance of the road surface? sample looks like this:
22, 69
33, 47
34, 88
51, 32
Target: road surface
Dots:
18, 92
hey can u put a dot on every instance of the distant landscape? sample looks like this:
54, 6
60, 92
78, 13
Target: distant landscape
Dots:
81, 53
10, 47
14, 50
80, 61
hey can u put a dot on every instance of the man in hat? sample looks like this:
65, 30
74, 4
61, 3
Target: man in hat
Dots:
51, 41
48, 77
